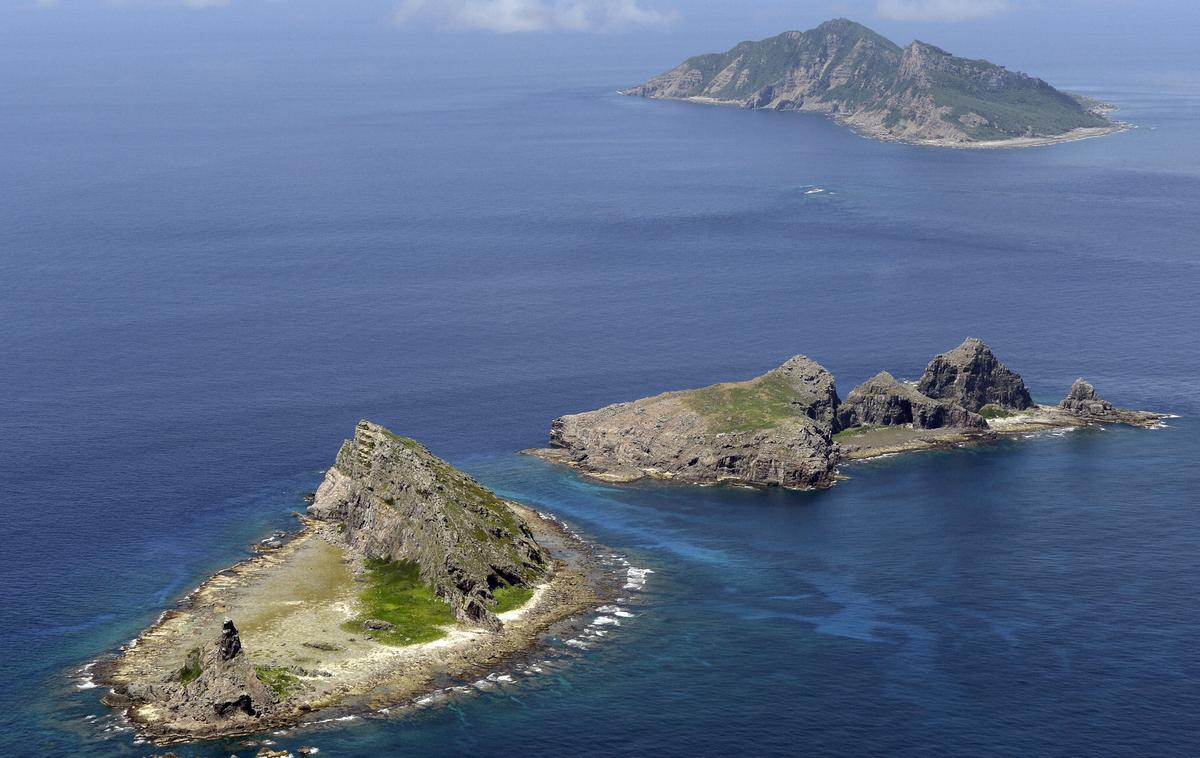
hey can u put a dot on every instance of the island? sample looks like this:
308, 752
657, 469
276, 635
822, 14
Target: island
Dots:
918, 94
406, 572
789, 428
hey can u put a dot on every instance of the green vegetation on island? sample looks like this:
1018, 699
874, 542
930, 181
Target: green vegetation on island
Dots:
410, 610
917, 93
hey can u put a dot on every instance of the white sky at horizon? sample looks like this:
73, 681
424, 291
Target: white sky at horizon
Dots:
1022, 34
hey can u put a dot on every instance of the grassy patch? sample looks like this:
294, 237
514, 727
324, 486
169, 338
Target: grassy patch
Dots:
191, 667
991, 410
745, 407
277, 679
511, 598
396, 594
855, 431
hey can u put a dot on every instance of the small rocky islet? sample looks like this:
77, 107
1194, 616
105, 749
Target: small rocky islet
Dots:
789, 428
406, 571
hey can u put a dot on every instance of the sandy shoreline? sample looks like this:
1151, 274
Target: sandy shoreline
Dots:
290, 604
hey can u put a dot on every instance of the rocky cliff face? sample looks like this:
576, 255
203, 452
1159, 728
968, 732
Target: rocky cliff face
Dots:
916, 93
884, 400
971, 376
397, 501
774, 430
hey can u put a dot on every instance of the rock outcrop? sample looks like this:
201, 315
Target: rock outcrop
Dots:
917, 93
773, 430
217, 688
884, 400
397, 501
971, 376
1084, 402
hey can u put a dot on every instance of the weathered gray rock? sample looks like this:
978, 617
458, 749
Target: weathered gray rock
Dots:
218, 685
1083, 401
773, 430
884, 400
399, 502
971, 376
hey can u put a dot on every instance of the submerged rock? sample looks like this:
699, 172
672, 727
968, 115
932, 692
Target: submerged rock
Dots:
884, 400
396, 501
971, 376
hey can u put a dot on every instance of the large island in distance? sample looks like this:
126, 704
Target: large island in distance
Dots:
407, 571
789, 428
918, 94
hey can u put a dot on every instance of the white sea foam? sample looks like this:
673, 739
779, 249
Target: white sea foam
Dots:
636, 578
601, 620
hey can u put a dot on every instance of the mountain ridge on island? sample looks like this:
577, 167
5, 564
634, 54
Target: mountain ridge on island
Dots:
789, 428
917, 94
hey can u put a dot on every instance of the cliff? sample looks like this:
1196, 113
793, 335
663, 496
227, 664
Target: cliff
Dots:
775, 429
971, 376
396, 501
919, 93
883, 400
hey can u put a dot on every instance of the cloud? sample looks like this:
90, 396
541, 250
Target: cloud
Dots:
940, 10
508, 16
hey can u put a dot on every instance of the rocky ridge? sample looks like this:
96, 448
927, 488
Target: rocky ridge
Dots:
396, 501
789, 428
918, 93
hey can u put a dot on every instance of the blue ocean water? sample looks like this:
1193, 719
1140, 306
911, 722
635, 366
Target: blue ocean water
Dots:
207, 275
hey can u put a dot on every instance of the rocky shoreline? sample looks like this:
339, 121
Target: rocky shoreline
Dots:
274, 641
789, 428
882, 134
918, 94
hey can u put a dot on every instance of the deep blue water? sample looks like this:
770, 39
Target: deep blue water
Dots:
207, 275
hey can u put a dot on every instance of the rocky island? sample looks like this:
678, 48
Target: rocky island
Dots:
918, 94
406, 569
789, 428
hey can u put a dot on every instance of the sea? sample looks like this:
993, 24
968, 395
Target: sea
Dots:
210, 273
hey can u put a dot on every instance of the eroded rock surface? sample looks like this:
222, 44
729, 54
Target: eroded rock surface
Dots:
884, 400
971, 376
1083, 401
774, 430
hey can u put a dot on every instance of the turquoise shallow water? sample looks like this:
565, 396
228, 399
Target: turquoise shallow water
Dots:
204, 287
